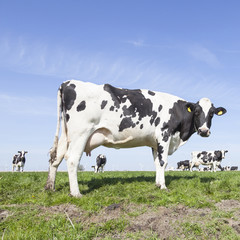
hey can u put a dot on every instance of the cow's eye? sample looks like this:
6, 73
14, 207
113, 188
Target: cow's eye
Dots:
211, 114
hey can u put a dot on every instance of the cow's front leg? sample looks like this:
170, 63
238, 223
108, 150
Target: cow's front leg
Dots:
160, 159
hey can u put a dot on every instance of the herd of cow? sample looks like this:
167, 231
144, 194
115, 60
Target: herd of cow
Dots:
212, 159
91, 115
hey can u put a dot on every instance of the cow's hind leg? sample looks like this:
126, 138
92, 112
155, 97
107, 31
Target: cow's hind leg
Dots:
74, 155
54, 162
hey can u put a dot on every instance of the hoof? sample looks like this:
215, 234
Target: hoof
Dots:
161, 187
49, 187
76, 195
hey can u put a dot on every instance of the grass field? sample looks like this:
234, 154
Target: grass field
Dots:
121, 205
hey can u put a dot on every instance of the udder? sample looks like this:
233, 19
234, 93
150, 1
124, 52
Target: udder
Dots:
98, 138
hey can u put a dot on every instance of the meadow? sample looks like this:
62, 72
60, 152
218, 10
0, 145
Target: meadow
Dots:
121, 205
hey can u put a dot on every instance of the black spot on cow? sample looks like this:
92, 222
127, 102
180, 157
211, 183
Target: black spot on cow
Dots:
165, 136
67, 117
141, 126
104, 103
160, 108
204, 156
81, 106
154, 115
180, 121
160, 152
151, 93
157, 121
111, 108
68, 95
139, 105
218, 155
126, 123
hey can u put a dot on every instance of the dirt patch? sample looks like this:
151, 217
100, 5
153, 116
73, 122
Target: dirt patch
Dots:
146, 221
168, 222
231, 206
228, 205
3, 214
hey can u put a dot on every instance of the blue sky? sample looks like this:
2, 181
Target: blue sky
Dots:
187, 48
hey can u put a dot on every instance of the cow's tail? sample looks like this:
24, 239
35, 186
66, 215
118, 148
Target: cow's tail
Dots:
53, 150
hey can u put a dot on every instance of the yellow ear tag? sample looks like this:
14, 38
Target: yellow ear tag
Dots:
220, 112
189, 109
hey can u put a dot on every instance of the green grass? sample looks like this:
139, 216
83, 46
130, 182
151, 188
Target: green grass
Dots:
23, 196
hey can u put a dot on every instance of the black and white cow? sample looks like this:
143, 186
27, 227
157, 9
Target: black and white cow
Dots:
210, 158
100, 163
183, 165
14, 162
92, 115
19, 161
226, 168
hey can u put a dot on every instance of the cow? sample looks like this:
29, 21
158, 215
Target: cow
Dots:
91, 115
234, 168
14, 162
211, 158
19, 161
184, 165
207, 169
100, 163
226, 168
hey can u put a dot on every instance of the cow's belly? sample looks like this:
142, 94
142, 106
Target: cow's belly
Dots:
105, 137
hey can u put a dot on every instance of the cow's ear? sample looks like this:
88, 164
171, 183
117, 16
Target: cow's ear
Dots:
220, 111
190, 107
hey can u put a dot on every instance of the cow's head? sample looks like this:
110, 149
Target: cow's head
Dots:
203, 113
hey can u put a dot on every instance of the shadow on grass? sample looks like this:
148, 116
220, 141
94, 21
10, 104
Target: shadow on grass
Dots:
96, 183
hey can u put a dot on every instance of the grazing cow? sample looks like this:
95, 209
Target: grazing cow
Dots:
211, 158
91, 115
234, 168
100, 163
184, 165
19, 161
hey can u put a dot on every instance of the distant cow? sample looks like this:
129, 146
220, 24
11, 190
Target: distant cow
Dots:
226, 168
207, 169
211, 158
91, 115
19, 161
234, 168
100, 163
184, 165
14, 162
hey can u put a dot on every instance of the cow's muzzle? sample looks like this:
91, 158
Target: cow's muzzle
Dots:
204, 132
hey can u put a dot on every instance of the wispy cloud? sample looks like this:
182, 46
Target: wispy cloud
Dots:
33, 106
122, 71
137, 43
203, 54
